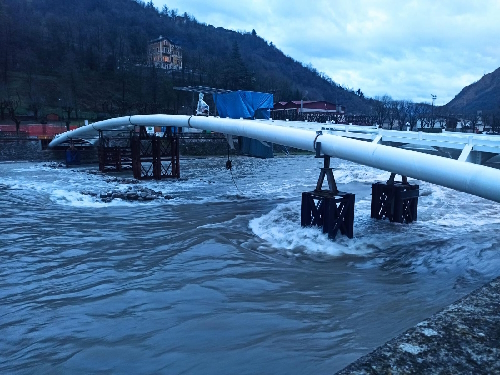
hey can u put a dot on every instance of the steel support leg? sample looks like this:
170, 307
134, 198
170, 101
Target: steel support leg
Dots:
396, 201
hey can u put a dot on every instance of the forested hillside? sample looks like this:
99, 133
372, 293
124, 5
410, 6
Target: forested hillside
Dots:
483, 95
89, 56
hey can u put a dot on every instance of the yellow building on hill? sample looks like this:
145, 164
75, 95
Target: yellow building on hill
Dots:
164, 54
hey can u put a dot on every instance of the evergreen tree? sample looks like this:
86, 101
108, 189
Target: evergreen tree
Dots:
236, 74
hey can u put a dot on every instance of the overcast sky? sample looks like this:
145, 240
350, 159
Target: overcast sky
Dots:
406, 49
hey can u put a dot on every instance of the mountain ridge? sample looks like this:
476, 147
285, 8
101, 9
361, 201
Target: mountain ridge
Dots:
482, 95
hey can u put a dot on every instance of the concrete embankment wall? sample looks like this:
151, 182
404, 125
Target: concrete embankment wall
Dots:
27, 150
31, 150
464, 338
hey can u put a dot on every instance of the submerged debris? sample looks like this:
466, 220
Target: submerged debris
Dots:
137, 194
55, 165
126, 193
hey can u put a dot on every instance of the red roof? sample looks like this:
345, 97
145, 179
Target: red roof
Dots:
37, 130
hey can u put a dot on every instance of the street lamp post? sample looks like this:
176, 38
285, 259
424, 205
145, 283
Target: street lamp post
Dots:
432, 115
302, 103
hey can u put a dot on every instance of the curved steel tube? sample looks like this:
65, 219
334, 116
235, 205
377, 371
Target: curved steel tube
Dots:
459, 175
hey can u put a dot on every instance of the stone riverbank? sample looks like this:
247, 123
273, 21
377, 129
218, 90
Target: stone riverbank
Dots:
464, 338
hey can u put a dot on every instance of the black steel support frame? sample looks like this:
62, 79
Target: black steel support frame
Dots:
330, 209
155, 157
327, 172
396, 201
113, 158
331, 212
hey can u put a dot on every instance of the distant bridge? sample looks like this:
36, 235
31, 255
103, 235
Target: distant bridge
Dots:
473, 148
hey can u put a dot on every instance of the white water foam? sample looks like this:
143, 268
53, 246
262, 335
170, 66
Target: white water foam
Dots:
281, 229
347, 172
76, 199
453, 220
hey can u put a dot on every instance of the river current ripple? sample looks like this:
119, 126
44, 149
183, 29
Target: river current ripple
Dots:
221, 279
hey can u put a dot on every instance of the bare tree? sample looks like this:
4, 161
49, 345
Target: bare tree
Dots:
392, 113
411, 114
36, 104
440, 117
473, 120
36, 100
381, 108
452, 122
4, 101
12, 106
495, 122
486, 119
4, 104
464, 123
68, 108
402, 113
422, 114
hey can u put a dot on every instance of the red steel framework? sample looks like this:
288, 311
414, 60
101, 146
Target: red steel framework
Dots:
149, 156
155, 157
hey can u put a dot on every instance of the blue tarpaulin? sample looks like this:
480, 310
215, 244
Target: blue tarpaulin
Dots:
247, 105
244, 104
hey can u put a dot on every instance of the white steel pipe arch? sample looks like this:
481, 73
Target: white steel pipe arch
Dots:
470, 178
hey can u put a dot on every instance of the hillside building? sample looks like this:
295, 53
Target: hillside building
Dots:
164, 54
